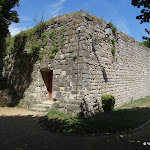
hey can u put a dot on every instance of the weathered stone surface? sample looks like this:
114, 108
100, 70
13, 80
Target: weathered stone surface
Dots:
84, 67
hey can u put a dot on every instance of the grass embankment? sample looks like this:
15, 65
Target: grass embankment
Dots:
125, 118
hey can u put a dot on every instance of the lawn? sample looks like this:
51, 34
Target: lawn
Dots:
125, 118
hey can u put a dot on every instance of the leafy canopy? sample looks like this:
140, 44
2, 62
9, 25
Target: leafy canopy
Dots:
144, 16
7, 16
145, 12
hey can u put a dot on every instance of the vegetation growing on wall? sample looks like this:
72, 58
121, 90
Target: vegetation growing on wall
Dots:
145, 43
113, 51
33, 39
74, 58
114, 29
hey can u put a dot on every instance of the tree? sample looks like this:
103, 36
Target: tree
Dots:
145, 14
7, 16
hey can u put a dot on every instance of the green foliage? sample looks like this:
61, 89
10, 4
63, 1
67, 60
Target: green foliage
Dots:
91, 35
44, 42
61, 24
113, 41
21, 103
124, 118
113, 51
30, 33
145, 43
63, 29
141, 43
9, 45
74, 58
144, 16
41, 54
108, 102
40, 27
52, 35
7, 16
55, 49
19, 43
62, 42
38, 30
51, 55
68, 40
34, 47
43, 35
40, 57
114, 29
57, 45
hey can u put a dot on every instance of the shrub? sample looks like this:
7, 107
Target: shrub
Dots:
108, 102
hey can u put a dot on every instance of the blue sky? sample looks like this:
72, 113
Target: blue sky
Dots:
121, 12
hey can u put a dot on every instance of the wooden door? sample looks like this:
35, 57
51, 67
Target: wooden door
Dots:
50, 79
47, 76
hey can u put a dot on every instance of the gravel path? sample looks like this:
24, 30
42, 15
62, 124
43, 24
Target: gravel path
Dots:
20, 130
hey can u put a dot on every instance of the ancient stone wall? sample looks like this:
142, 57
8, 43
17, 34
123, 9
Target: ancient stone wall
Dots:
124, 74
84, 68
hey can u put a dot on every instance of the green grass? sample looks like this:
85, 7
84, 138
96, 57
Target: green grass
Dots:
125, 118
142, 102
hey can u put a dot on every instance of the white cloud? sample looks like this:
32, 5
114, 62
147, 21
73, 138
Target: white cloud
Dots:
55, 8
58, 4
15, 29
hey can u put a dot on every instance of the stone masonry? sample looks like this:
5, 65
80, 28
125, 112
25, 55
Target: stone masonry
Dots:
84, 68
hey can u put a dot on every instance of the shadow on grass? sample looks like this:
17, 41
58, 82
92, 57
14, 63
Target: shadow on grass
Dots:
115, 121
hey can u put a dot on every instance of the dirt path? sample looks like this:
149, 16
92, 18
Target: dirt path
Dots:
20, 130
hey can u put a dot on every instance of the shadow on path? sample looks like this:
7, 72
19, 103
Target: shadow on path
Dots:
25, 133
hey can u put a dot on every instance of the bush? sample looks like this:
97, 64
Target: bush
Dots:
108, 102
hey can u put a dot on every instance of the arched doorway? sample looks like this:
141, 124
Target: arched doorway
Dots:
47, 76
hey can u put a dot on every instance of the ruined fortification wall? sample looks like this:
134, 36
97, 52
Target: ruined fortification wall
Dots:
124, 74
84, 67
